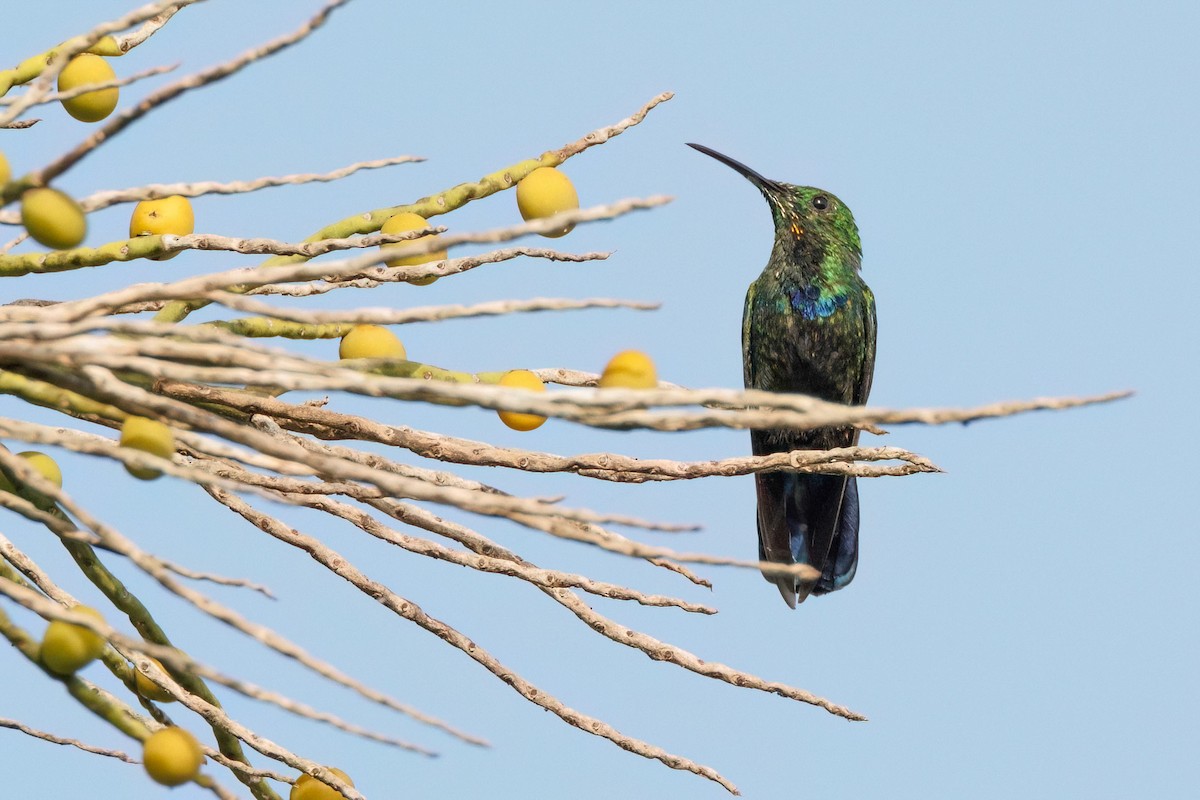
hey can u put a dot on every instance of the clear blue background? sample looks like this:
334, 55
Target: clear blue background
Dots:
1025, 179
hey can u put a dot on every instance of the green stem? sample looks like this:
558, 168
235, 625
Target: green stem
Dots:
103, 705
33, 66
145, 624
371, 221
12, 266
50, 396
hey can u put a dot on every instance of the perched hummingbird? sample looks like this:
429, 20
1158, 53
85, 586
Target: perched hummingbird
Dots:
808, 327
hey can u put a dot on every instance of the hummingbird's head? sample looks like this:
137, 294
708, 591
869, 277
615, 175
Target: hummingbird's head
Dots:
812, 218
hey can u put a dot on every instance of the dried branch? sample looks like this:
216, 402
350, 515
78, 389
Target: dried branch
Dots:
119, 121
657, 409
405, 608
153, 191
128, 41
114, 541
57, 97
45, 67
450, 199
213, 714
379, 275
49, 737
395, 316
297, 493
244, 279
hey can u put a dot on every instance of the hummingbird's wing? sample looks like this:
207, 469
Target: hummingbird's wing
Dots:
843, 556
843, 561
870, 328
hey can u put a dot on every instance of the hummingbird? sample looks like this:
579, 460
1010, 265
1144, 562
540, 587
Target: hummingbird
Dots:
808, 327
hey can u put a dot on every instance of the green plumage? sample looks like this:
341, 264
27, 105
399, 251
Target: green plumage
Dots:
808, 327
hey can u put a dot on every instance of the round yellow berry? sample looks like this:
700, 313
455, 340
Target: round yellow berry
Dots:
165, 215
307, 787
370, 341
544, 193
171, 215
67, 648
45, 465
522, 379
90, 106
48, 469
52, 218
401, 223
172, 756
149, 689
149, 436
5, 170
631, 369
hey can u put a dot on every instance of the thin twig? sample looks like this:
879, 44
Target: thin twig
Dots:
405, 608
395, 316
58, 97
123, 119
57, 58
153, 191
378, 275
116, 542
49, 737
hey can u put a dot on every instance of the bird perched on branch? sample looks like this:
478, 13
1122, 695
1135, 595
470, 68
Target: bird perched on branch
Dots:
808, 327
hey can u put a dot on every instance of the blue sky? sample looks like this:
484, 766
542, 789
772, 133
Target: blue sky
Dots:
1023, 175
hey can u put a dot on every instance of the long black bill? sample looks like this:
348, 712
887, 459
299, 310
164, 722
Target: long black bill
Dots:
765, 184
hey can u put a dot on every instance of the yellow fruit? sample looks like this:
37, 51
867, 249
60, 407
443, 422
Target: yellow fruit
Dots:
172, 756
401, 223
522, 379
171, 215
370, 341
67, 648
149, 689
149, 436
631, 369
45, 465
529, 382
53, 218
90, 106
307, 787
5, 170
166, 215
544, 193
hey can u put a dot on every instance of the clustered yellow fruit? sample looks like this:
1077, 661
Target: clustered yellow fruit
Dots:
5, 170
401, 223
149, 436
522, 379
307, 787
544, 193
631, 369
172, 756
52, 218
370, 341
82, 70
149, 689
67, 648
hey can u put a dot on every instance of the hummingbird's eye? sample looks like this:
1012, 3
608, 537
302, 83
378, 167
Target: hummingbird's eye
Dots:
820, 202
